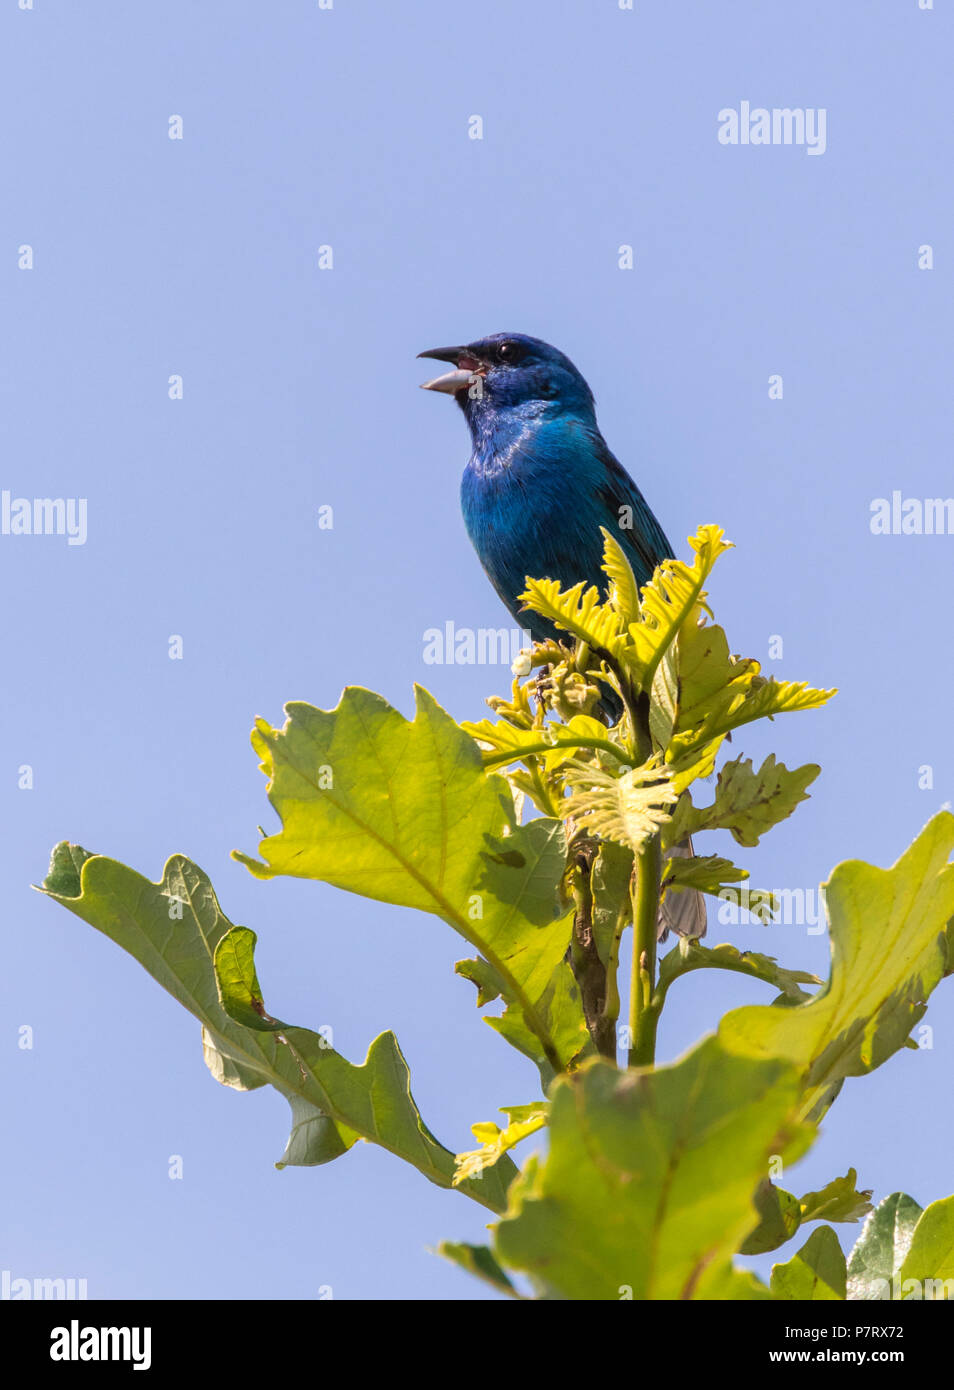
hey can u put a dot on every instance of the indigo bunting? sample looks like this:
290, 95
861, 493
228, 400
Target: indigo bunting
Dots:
540, 483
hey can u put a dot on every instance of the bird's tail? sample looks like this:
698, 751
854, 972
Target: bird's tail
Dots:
685, 912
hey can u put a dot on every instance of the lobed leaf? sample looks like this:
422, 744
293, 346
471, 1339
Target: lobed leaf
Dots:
710, 873
647, 1187
779, 1219
748, 803
404, 812
837, 1201
889, 950
553, 742
559, 1008
524, 1120
627, 808
782, 1214
673, 599
689, 955
174, 928
623, 589
579, 611
816, 1274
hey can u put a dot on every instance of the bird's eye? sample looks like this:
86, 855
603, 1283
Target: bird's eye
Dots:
508, 352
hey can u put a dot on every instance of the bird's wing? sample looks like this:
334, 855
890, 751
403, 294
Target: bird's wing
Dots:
685, 912
644, 539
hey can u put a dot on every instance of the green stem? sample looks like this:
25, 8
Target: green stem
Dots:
643, 1016
501, 756
612, 1006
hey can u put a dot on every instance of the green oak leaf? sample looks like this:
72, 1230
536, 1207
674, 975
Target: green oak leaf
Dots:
638, 633
779, 1218
837, 1201
403, 811
904, 1253
668, 648
816, 1274
732, 1285
623, 589
239, 990
664, 704
882, 1248
66, 867
384, 1109
523, 1120
559, 1007
889, 951
748, 803
489, 984
579, 611
688, 955
781, 1213
719, 693
712, 681
647, 1187
553, 742
312, 1139
929, 1263
673, 601
478, 1260
710, 873
174, 928
627, 808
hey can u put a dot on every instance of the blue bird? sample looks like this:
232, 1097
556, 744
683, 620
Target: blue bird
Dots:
541, 480
540, 483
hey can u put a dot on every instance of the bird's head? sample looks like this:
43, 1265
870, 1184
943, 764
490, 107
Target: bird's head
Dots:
511, 372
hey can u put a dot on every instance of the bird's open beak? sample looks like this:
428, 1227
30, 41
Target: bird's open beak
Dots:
466, 368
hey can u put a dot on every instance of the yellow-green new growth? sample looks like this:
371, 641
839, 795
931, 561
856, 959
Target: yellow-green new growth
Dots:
628, 808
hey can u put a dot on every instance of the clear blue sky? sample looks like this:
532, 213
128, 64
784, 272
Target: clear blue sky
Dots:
198, 257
